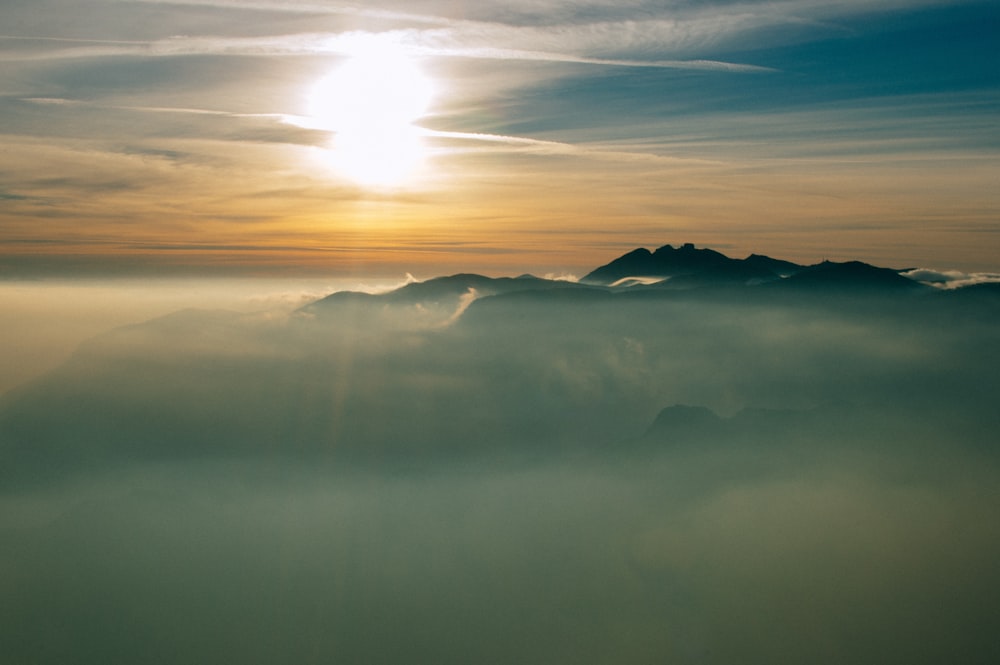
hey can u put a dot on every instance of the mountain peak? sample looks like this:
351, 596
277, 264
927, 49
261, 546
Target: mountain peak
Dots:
850, 275
682, 422
693, 264
687, 266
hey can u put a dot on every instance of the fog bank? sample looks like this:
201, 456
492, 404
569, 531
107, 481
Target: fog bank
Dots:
478, 471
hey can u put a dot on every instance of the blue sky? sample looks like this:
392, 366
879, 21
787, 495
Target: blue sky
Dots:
144, 136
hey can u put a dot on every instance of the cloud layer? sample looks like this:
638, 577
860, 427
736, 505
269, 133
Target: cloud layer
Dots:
425, 475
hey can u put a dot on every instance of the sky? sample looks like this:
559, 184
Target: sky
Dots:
266, 137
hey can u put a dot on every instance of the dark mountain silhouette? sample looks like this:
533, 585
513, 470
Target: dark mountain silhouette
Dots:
696, 267
875, 425
777, 266
445, 292
985, 294
455, 286
688, 267
531, 362
681, 422
683, 272
638, 262
850, 275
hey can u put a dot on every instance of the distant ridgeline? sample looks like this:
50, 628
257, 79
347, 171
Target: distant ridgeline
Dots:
666, 271
473, 363
687, 266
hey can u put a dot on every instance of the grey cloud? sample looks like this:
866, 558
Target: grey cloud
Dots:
951, 278
112, 22
558, 10
606, 31
89, 146
672, 557
482, 42
595, 371
357, 482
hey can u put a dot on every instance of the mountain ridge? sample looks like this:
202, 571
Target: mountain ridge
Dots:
687, 261
641, 271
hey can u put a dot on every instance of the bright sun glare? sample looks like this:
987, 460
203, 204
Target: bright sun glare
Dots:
371, 103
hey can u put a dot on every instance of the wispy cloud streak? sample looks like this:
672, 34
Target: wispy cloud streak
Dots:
539, 146
418, 42
59, 101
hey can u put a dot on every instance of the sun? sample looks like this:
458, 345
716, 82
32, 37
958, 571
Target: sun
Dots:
371, 104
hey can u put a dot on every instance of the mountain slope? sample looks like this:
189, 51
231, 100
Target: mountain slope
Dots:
696, 266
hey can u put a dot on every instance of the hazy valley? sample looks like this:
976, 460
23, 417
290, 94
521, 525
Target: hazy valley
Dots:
681, 457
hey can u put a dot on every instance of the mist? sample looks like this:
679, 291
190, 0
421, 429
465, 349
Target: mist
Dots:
42, 321
475, 470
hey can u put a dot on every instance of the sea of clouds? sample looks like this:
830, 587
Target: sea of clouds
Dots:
510, 479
